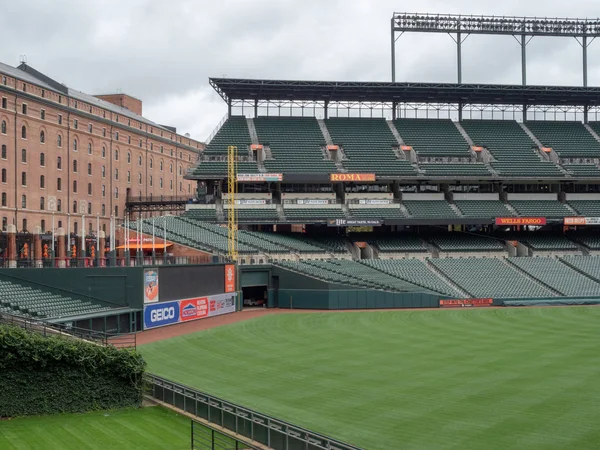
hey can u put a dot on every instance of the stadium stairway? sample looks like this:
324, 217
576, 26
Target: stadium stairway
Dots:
508, 262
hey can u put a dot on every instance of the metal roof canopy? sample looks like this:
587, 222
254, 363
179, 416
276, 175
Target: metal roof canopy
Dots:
337, 91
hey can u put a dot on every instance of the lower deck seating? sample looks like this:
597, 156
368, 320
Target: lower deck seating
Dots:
456, 170
589, 265
546, 242
402, 243
310, 214
207, 214
540, 208
588, 208
429, 209
583, 170
376, 213
255, 214
483, 208
465, 242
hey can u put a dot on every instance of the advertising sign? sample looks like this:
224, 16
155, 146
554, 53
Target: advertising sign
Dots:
467, 302
354, 223
352, 177
313, 201
195, 308
375, 201
229, 278
259, 177
150, 285
582, 220
520, 221
161, 314
251, 201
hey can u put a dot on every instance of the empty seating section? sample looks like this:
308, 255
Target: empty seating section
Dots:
511, 147
558, 276
313, 214
376, 213
368, 144
540, 208
295, 144
546, 242
455, 170
220, 168
590, 240
23, 300
255, 214
464, 242
429, 209
583, 170
433, 137
287, 241
490, 277
568, 139
483, 208
207, 214
330, 243
414, 271
404, 243
589, 265
588, 208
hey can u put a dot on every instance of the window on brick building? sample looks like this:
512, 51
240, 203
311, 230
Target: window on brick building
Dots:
128, 157
151, 146
24, 132
103, 191
89, 188
171, 168
104, 152
3, 151
74, 211
74, 145
139, 178
116, 135
117, 174
116, 155
140, 160
171, 184
151, 163
60, 224
24, 220
4, 223
75, 186
180, 188
59, 209
90, 212
89, 168
59, 163
59, 184
116, 192
180, 170
140, 143
161, 165
42, 160
75, 124
59, 141
116, 211
23, 201
90, 148
4, 199
4, 103
43, 114
162, 149
60, 119
74, 166
103, 171
75, 224
150, 180
24, 108
3, 127
128, 176
129, 139
42, 137
42, 181
4, 175
90, 128
160, 181
42, 203
43, 225
103, 132
103, 209
23, 155
23, 179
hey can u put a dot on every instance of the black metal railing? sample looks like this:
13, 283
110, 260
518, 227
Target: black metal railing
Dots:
205, 437
125, 340
260, 428
102, 262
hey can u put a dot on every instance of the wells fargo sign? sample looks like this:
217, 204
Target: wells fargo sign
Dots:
520, 221
467, 302
352, 177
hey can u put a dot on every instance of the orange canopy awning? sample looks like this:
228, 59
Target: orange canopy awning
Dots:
144, 246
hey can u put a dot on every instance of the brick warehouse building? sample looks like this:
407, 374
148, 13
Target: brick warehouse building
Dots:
66, 153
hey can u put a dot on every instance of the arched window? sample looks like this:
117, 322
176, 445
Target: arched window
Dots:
24, 155
140, 160
3, 151
104, 152
42, 203
161, 165
59, 140
24, 132
4, 199
89, 168
116, 174
74, 145
180, 170
59, 184
151, 163
90, 148
59, 162
103, 171
75, 186
90, 212
128, 157
23, 201
4, 127
24, 220
42, 137
4, 175
75, 165
42, 159
116, 155
59, 207
171, 167
23, 178
42, 181
75, 210
89, 188
139, 178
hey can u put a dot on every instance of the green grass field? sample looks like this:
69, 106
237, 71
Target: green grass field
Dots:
446, 379
145, 428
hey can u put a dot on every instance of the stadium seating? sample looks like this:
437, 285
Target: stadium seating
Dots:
27, 301
206, 214
465, 242
429, 209
483, 208
313, 214
511, 147
433, 137
583, 170
590, 240
588, 208
402, 243
568, 139
588, 265
455, 170
220, 168
540, 208
490, 277
414, 271
295, 144
368, 144
285, 241
255, 214
546, 241
359, 212
558, 276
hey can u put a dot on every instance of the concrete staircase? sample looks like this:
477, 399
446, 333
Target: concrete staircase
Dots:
219, 211
447, 280
280, 213
592, 132
395, 132
531, 278
464, 134
325, 131
252, 130
531, 135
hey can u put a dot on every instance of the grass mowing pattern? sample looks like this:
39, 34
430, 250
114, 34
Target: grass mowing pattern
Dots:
145, 428
447, 379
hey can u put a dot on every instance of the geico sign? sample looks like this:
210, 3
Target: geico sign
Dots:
158, 315
352, 177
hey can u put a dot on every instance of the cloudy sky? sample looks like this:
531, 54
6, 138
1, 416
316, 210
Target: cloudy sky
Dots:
163, 51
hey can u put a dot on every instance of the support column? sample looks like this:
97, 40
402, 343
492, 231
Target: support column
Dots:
394, 106
229, 108
524, 60
60, 234
255, 108
11, 250
101, 248
393, 50
586, 109
326, 109
460, 111
37, 247
584, 44
459, 56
